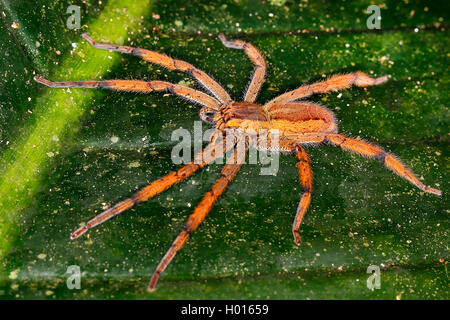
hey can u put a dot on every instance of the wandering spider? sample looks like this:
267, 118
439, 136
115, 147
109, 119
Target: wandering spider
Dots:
299, 123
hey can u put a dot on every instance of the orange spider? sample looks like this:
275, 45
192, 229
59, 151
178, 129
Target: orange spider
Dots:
299, 123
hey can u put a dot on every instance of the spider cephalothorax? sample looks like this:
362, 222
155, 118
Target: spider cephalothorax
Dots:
298, 123
241, 115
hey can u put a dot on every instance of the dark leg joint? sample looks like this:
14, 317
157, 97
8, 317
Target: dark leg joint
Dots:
381, 157
343, 140
187, 228
306, 189
134, 198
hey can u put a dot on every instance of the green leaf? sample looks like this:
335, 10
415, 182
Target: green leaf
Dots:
66, 154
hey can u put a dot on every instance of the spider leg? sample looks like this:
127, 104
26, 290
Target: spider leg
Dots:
199, 214
334, 83
257, 59
167, 62
200, 160
389, 160
305, 175
139, 86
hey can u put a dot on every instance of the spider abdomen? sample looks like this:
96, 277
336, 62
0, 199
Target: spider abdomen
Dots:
302, 118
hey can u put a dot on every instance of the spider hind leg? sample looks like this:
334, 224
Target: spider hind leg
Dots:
389, 160
334, 83
305, 175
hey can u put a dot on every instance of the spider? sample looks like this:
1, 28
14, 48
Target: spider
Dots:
300, 123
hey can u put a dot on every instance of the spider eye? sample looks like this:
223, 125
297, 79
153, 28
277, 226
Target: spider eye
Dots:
208, 116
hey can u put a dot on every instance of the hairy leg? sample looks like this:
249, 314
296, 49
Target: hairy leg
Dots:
305, 139
257, 59
172, 64
305, 175
334, 83
199, 214
389, 160
139, 86
209, 154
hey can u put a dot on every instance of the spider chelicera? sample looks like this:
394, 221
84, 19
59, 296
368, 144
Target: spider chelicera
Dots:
299, 123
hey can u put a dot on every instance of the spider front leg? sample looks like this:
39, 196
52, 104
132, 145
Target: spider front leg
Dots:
334, 83
200, 213
260, 65
305, 176
167, 62
211, 152
138, 86
389, 160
